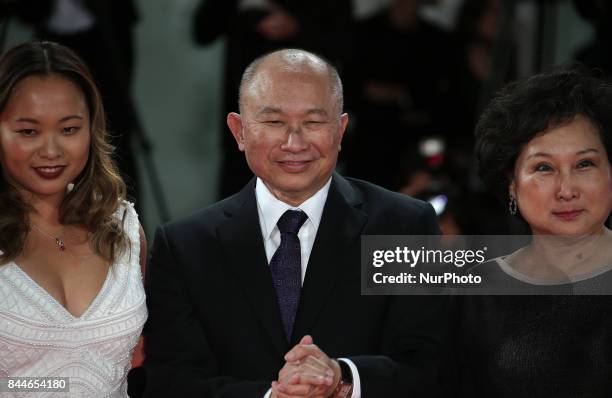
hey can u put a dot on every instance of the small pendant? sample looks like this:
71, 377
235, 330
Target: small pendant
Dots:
60, 244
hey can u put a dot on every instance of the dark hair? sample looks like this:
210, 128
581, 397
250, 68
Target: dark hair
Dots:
98, 189
527, 107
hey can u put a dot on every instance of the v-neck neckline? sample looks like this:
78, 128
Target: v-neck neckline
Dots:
56, 303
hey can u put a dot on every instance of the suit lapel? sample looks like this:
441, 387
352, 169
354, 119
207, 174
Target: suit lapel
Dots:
341, 224
242, 241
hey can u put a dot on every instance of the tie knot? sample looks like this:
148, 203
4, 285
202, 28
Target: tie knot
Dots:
291, 221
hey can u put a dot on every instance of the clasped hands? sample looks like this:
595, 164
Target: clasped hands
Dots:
308, 372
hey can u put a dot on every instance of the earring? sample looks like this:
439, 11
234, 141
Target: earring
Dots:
69, 187
512, 208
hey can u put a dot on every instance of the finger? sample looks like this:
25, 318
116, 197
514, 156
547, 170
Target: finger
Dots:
311, 367
291, 367
290, 390
308, 364
307, 340
311, 379
305, 375
319, 365
299, 390
287, 369
301, 351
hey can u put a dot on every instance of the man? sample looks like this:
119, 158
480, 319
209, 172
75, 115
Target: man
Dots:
227, 314
252, 28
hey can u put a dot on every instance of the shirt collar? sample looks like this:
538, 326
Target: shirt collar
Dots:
271, 209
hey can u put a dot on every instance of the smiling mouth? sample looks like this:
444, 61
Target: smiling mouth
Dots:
49, 172
568, 215
294, 166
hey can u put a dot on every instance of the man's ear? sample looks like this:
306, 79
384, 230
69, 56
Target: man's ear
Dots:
344, 118
234, 122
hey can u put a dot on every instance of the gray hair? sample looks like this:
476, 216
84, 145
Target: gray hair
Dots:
294, 58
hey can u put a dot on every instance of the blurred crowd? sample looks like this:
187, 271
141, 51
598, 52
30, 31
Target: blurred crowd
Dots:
413, 88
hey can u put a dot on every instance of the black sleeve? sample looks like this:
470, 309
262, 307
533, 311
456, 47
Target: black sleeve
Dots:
416, 341
415, 350
179, 361
427, 223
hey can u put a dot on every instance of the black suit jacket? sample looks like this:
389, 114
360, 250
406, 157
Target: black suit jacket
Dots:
214, 327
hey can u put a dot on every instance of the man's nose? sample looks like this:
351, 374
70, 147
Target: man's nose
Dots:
295, 141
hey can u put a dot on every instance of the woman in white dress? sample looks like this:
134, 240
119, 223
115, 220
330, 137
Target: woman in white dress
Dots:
72, 303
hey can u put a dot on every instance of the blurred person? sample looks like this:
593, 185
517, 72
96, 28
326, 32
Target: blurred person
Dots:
101, 32
255, 27
71, 248
597, 53
477, 34
427, 176
424, 179
259, 295
544, 144
474, 78
398, 81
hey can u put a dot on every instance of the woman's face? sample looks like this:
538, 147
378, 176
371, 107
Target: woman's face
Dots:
44, 135
562, 181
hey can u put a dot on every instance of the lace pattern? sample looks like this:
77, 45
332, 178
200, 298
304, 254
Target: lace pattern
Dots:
40, 338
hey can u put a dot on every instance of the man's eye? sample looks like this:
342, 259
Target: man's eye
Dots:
27, 132
585, 163
273, 122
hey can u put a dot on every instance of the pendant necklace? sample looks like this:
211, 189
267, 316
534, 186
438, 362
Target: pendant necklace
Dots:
58, 241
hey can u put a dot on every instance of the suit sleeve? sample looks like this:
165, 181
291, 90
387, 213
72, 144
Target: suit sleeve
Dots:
427, 222
179, 361
415, 341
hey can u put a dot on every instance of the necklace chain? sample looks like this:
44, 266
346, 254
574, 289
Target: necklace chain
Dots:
58, 241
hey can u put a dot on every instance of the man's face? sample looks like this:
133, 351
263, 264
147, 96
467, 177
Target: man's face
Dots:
290, 130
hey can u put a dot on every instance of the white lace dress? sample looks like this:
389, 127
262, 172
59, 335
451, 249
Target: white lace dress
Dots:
40, 338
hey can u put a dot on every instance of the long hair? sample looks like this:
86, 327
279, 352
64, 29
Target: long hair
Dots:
98, 189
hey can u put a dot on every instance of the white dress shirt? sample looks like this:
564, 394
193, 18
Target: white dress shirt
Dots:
270, 209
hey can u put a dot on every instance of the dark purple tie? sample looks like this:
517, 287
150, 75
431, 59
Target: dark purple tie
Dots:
285, 267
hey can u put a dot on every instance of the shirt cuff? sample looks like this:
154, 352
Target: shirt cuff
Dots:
355, 374
268, 393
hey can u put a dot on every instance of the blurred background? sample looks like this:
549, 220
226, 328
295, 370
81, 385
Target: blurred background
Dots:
416, 76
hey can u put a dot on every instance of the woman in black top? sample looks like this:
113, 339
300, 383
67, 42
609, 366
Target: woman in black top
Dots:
545, 143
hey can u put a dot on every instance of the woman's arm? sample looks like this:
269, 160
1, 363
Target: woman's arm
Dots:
138, 356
